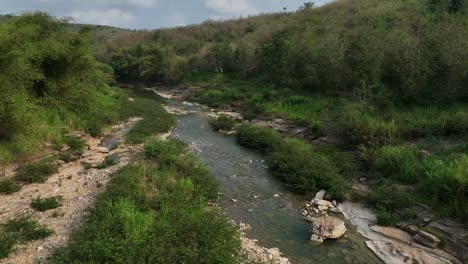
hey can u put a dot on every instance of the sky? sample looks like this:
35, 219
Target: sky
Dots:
150, 14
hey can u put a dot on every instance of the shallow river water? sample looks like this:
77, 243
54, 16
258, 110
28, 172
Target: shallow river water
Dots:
275, 221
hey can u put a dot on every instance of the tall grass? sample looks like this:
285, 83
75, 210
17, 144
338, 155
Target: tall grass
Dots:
304, 168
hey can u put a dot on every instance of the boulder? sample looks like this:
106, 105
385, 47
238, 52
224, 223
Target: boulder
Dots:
320, 195
327, 227
427, 239
394, 233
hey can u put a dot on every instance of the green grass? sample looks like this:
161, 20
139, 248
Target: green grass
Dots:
44, 204
304, 168
155, 211
223, 123
8, 186
37, 172
108, 162
258, 138
147, 105
19, 231
75, 143
440, 178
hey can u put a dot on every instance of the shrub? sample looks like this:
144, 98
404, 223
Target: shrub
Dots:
37, 172
399, 162
164, 151
305, 170
47, 203
9, 186
75, 143
389, 202
20, 230
224, 123
258, 138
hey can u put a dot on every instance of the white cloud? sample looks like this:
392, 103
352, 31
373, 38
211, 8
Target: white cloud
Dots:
111, 17
227, 8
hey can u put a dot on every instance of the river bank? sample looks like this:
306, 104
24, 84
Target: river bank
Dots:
390, 248
78, 183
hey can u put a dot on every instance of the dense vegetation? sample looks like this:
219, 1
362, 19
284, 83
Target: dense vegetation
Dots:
155, 211
381, 77
50, 83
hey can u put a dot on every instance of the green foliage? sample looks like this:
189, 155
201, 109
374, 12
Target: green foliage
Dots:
75, 144
164, 151
445, 184
305, 169
389, 202
148, 206
20, 230
224, 123
258, 138
44, 204
36, 172
8, 186
399, 162
50, 83
147, 105
108, 162
148, 63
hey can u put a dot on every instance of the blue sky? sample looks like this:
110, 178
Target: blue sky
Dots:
150, 14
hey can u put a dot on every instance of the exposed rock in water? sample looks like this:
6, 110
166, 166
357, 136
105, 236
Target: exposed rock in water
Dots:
327, 227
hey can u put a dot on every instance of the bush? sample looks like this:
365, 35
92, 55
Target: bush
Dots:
389, 202
47, 203
399, 162
20, 230
8, 186
258, 138
223, 123
75, 143
306, 171
37, 172
164, 151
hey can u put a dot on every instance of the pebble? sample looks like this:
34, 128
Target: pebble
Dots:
276, 195
234, 200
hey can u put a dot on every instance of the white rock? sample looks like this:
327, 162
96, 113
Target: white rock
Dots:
320, 195
276, 195
327, 227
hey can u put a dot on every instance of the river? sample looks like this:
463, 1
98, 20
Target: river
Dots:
275, 220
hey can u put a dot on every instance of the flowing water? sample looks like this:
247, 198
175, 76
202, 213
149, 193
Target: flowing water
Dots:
244, 176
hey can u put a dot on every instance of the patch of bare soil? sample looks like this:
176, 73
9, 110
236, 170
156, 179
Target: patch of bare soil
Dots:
79, 188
